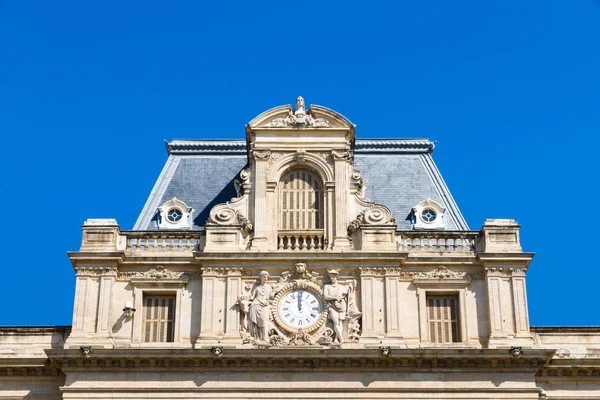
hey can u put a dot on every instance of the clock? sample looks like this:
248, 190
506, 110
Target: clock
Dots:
300, 309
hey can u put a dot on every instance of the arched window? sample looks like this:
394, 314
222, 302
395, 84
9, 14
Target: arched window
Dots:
301, 201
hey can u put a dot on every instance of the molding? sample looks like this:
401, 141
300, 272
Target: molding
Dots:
393, 146
237, 147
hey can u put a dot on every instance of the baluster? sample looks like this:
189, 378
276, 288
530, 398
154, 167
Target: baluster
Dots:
302, 242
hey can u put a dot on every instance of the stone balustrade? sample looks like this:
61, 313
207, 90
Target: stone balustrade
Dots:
161, 241
496, 236
301, 240
437, 242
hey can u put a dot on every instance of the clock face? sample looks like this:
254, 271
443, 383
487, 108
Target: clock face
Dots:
300, 308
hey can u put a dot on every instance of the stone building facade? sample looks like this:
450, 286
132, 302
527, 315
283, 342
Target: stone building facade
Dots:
300, 262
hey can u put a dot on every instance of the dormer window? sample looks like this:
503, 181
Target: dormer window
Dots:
174, 214
301, 211
428, 214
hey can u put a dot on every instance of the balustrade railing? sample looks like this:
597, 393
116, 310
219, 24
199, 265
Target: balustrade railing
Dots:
459, 242
160, 241
301, 240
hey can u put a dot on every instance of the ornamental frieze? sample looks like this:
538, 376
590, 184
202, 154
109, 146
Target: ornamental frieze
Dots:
159, 272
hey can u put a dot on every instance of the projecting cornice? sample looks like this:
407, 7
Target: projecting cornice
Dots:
233, 147
238, 147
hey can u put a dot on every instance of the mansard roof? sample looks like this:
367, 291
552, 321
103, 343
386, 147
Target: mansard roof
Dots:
400, 174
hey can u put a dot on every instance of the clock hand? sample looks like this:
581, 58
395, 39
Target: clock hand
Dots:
299, 301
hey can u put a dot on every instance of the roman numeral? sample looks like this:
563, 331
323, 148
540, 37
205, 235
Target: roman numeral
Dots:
287, 315
313, 315
315, 308
313, 302
293, 320
286, 309
299, 322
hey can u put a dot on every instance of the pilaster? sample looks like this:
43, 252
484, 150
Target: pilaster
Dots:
341, 159
260, 199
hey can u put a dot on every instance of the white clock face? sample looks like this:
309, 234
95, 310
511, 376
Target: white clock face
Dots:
299, 309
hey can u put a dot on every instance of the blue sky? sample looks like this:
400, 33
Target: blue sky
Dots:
510, 90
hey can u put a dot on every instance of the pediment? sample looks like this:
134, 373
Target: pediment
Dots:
286, 117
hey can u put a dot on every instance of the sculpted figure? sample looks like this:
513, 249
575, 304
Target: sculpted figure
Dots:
258, 319
300, 104
341, 306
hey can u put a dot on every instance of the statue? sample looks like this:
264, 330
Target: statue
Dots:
259, 310
300, 105
342, 311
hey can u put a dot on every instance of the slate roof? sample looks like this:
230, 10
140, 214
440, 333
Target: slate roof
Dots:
400, 173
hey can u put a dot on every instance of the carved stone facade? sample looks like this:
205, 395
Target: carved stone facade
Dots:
346, 298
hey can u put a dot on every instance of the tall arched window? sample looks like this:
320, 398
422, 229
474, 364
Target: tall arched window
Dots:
301, 201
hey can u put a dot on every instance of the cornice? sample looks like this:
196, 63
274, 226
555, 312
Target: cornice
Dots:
304, 359
234, 147
369, 146
239, 147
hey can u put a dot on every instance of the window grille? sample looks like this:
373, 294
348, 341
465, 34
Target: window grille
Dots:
442, 315
159, 318
301, 201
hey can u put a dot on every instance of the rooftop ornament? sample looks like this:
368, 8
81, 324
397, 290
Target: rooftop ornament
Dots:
299, 118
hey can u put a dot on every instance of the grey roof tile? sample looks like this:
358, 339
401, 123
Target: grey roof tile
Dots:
400, 172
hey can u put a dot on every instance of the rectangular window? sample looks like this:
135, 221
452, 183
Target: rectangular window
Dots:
159, 318
442, 318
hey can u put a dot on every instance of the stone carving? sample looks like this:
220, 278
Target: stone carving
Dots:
516, 351
384, 351
359, 182
95, 271
158, 272
440, 272
86, 351
341, 155
265, 324
505, 272
256, 310
301, 156
301, 337
223, 214
217, 351
376, 214
210, 271
342, 310
261, 154
299, 118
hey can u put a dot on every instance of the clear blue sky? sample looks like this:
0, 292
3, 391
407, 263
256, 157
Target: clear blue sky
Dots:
510, 90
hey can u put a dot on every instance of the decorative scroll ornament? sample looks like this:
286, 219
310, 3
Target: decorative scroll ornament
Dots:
299, 118
360, 183
158, 272
376, 214
223, 214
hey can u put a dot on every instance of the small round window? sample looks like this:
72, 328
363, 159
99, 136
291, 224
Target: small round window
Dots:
174, 215
428, 215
